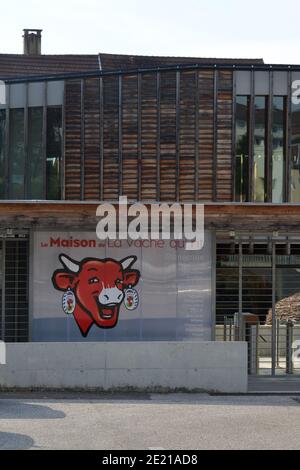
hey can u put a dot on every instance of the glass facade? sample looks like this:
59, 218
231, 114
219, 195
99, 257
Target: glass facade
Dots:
2, 153
259, 150
295, 154
278, 148
34, 153
242, 149
16, 154
54, 153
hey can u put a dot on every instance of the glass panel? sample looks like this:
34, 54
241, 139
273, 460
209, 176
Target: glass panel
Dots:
35, 153
242, 149
259, 160
278, 157
54, 151
295, 154
16, 154
2, 153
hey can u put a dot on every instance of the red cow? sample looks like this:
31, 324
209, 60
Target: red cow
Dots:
98, 286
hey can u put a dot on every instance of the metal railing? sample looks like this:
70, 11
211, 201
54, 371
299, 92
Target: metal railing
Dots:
259, 340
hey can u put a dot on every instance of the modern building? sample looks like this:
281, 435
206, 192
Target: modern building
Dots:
79, 129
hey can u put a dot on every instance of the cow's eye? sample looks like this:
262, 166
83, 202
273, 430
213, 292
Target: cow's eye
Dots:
94, 280
119, 282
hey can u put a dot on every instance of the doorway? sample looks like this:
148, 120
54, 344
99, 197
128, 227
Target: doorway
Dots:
258, 299
14, 257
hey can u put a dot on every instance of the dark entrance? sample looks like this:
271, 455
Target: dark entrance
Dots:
14, 256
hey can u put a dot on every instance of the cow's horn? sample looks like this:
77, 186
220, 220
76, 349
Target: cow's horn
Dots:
70, 264
127, 262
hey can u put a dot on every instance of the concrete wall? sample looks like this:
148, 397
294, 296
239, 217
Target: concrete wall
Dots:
207, 366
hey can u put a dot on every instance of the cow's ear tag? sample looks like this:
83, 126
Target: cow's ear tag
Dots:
68, 302
131, 300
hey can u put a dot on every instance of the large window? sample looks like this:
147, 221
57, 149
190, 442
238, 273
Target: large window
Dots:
242, 149
2, 153
278, 148
54, 152
34, 154
260, 148
295, 154
259, 157
16, 155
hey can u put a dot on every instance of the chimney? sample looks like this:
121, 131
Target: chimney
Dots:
32, 41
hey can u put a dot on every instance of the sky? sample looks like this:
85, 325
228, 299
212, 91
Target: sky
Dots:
192, 28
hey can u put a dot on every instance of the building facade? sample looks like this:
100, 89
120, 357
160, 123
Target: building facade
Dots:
79, 130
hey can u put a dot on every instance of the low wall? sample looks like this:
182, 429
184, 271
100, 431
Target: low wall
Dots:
152, 366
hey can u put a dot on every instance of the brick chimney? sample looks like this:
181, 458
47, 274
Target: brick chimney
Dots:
32, 41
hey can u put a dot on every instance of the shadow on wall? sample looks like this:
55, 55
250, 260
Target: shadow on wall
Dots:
12, 441
13, 409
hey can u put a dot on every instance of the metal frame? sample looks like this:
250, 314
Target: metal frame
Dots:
120, 112
26, 156
139, 111
164, 68
215, 133
101, 139
251, 136
288, 139
177, 125
82, 143
158, 137
197, 137
233, 142
7, 138
44, 139
269, 153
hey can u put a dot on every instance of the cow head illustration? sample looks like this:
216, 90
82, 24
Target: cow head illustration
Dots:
98, 286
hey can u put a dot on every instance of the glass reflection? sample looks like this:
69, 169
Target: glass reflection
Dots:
278, 156
295, 154
259, 157
241, 149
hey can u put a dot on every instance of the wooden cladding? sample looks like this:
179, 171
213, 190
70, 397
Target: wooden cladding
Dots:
163, 136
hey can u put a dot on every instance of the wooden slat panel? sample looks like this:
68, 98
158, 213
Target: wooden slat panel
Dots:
149, 136
168, 137
187, 136
130, 136
206, 134
110, 138
224, 140
72, 139
91, 139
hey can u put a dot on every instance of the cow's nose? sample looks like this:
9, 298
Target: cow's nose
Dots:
106, 297
119, 296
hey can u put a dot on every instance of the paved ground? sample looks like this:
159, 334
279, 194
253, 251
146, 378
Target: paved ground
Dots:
176, 422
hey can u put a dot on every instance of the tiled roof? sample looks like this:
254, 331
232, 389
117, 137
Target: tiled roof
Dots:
19, 65
14, 65
117, 61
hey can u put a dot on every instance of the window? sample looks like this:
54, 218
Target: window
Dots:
278, 148
54, 152
295, 154
242, 149
16, 155
259, 156
261, 148
34, 154
2, 153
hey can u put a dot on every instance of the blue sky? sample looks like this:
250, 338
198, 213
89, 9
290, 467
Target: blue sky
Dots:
227, 28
